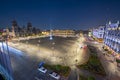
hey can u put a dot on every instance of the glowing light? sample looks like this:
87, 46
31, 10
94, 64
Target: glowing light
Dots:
51, 38
11, 49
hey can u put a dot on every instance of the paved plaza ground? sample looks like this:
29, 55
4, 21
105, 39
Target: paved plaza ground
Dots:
60, 50
63, 51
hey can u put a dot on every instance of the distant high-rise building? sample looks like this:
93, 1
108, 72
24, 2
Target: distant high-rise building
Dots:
29, 28
15, 28
14, 24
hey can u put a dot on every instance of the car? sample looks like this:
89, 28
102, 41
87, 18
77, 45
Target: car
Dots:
55, 75
42, 69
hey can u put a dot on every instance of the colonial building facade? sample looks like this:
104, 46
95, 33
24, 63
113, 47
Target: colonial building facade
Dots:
66, 33
112, 36
98, 32
63, 33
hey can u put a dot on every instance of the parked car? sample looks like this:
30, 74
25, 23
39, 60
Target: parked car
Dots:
42, 69
55, 75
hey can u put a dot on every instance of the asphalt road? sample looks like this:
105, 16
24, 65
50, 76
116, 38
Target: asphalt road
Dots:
26, 68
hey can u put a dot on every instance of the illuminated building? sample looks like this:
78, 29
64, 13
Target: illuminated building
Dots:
45, 32
59, 32
98, 33
63, 33
90, 32
112, 36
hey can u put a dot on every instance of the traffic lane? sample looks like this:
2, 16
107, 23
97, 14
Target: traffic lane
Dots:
108, 61
23, 68
11, 49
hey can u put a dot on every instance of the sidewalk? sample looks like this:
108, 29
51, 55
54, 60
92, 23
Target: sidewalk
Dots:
109, 64
107, 61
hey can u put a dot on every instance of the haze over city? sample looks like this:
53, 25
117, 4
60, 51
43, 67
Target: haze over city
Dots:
59, 14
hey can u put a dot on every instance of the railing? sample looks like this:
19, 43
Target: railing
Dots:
5, 73
5, 62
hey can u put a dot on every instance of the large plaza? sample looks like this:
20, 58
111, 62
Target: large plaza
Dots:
60, 50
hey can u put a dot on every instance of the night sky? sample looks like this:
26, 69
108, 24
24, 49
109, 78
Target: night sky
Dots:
61, 14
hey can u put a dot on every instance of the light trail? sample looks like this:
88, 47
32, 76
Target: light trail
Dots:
11, 49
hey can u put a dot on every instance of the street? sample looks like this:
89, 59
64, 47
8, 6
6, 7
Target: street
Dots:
107, 61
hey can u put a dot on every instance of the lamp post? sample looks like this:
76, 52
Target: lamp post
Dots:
53, 51
39, 44
76, 60
53, 47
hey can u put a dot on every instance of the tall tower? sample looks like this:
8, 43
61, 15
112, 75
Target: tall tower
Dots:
29, 28
14, 28
13, 32
14, 24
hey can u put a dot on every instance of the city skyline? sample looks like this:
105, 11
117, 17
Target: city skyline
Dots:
59, 14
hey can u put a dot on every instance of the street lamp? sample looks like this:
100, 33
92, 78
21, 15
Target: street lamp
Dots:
53, 47
53, 51
76, 61
39, 44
